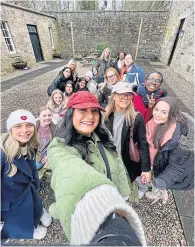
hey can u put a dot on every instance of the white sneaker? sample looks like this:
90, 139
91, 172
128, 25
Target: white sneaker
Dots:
39, 232
46, 219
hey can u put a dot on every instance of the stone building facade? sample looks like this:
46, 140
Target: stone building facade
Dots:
16, 39
78, 33
182, 51
118, 29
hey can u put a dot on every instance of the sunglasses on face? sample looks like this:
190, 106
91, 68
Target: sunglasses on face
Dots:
154, 81
124, 95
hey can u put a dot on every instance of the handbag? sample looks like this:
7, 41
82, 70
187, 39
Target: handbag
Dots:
49, 90
133, 148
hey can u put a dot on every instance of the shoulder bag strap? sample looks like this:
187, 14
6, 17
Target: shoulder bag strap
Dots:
137, 78
131, 131
104, 157
132, 127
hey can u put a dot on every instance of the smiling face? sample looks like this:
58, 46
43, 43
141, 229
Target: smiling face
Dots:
153, 82
57, 98
94, 70
86, 120
73, 66
106, 53
67, 73
128, 60
82, 84
111, 77
69, 88
161, 112
122, 100
87, 78
45, 117
23, 132
121, 56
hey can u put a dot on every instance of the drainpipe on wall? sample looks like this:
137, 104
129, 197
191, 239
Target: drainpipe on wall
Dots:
72, 37
140, 29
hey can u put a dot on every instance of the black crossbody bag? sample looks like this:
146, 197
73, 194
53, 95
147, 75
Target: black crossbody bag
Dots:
104, 157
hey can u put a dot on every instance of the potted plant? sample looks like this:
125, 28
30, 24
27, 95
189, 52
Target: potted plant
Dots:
56, 54
18, 63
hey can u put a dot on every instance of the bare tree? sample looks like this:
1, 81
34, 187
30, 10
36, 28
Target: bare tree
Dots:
77, 5
147, 5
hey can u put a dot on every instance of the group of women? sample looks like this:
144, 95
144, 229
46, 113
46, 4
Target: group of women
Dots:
102, 120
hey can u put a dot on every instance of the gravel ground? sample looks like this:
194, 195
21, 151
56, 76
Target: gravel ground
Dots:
161, 222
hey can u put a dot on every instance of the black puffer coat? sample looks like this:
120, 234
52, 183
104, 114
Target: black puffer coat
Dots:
174, 163
104, 95
139, 136
59, 83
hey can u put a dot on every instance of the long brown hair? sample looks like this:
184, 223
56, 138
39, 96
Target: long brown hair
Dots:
124, 68
174, 115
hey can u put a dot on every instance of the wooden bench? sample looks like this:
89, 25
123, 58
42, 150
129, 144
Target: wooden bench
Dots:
88, 60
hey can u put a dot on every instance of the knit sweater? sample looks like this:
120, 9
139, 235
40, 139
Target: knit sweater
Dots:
92, 210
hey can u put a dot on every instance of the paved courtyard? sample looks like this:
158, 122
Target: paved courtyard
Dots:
163, 224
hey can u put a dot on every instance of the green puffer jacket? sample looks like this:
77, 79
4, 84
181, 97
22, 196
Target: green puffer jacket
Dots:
72, 177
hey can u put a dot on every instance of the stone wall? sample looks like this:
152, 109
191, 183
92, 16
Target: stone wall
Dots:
119, 29
183, 58
17, 19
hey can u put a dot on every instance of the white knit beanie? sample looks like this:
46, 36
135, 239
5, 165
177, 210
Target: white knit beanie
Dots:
89, 73
20, 116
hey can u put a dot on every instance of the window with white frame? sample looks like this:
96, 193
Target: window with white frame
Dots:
7, 36
51, 37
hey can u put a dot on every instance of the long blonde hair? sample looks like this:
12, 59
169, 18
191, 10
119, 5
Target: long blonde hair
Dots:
51, 104
102, 57
12, 148
130, 112
70, 63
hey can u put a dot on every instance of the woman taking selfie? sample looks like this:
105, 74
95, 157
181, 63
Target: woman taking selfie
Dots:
21, 206
172, 163
86, 167
121, 119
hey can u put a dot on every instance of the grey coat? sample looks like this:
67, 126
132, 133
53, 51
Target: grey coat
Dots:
103, 65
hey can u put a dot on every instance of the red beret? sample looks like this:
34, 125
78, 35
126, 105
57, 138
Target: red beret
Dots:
83, 100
